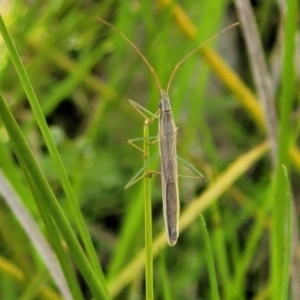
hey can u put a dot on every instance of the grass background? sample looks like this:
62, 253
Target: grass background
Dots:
64, 152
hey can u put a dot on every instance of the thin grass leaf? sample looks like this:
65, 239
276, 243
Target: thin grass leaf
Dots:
278, 192
165, 281
61, 171
287, 238
260, 71
148, 219
221, 251
45, 195
41, 245
210, 261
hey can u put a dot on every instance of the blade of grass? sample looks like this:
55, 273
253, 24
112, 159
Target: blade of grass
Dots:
287, 238
14, 176
54, 236
278, 192
61, 171
248, 254
165, 283
221, 251
41, 185
210, 261
148, 217
35, 235
260, 71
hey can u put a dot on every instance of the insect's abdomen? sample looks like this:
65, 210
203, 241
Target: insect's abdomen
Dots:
172, 212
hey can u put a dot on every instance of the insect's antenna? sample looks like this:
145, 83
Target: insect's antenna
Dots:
135, 48
195, 50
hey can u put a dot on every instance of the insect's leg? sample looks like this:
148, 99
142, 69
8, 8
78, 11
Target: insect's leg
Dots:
138, 175
191, 167
132, 142
142, 110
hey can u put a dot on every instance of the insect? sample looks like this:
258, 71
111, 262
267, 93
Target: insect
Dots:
167, 139
167, 136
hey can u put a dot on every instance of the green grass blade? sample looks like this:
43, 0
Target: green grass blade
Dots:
148, 218
61, 171
221, 251
30, 227
210, 261
279, 189
287, 238
165, 282
44, 191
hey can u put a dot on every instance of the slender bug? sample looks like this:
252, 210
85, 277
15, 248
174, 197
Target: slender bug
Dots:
167, 138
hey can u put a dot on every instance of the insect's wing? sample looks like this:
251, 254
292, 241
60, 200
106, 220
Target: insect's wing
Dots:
171, 208
169, 175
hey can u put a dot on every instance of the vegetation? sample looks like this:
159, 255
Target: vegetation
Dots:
69, 229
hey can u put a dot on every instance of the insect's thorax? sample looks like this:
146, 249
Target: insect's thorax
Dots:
167, 128
164, 103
